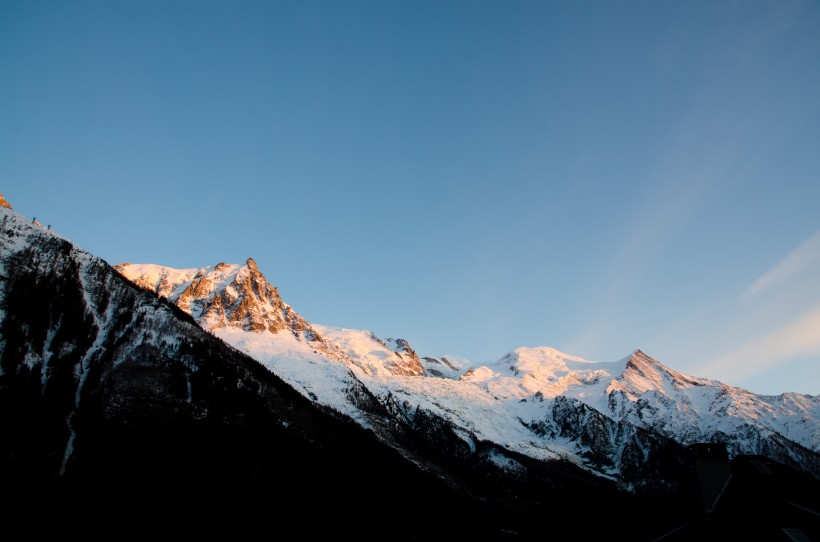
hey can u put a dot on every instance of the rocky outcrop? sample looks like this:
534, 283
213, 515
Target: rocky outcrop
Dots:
406, 361
643, 458
441, 367
225, 295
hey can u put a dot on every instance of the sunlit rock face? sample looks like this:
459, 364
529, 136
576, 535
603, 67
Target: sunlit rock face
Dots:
226, 295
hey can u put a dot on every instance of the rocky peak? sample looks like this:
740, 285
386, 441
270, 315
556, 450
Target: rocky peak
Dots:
441, 367
643, 373
4, 202
642, 370
410, 363
223, 295
238, 296
399, 345
640, 361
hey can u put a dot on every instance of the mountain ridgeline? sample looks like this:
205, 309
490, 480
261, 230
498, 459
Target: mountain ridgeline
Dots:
145, 394
546, 401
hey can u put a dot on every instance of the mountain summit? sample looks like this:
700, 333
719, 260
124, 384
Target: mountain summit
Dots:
236, 303
222, 295
235, 297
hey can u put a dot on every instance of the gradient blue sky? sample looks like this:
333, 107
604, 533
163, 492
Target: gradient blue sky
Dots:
472, 176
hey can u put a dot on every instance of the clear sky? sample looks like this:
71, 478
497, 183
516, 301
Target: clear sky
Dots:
471, 176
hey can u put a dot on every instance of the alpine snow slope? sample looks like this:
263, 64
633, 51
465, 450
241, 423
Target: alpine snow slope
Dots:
620, 420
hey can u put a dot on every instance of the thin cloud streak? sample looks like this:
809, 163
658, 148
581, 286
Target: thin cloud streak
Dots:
676, 190
800, 337
695, 166
793, 262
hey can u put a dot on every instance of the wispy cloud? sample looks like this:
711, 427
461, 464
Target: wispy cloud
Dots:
714, 145
800, 337
794, 261
676, 190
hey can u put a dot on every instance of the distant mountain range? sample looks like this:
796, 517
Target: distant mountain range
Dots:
204, 382
605, 417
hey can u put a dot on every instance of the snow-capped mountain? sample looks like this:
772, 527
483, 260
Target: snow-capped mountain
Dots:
641, 392
689, 409
539, 402
237, 304
349, 369
116, 408
225, 295
106, 387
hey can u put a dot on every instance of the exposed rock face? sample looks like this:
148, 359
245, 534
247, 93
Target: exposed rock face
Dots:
407, 361
249, 302
441, 367
638, 455
239, 296
224, 295
4, 203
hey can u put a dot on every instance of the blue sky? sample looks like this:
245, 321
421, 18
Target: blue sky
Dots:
471, 176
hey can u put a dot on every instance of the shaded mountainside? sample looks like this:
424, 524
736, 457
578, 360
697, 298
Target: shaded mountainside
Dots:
117, 409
